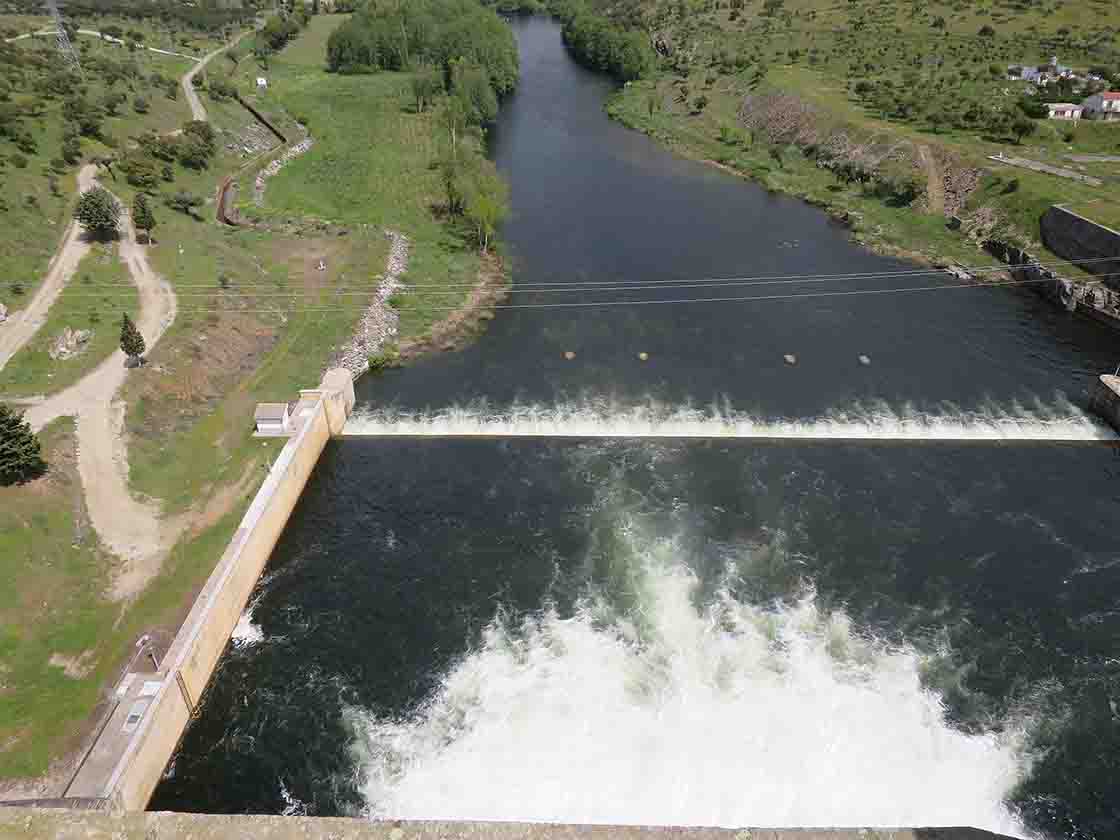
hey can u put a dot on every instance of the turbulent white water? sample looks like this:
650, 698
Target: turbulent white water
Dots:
1059, 422
729, 715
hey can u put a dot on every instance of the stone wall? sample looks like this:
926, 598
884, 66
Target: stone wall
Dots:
30, 824
1074, 237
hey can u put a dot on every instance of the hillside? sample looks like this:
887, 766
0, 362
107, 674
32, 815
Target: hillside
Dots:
874, 108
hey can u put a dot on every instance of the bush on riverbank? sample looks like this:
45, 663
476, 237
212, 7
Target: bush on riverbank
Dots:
426, 32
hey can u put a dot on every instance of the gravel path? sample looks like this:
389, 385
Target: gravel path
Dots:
198, 112
21, 326
379, 321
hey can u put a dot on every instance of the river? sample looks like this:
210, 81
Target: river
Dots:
646, 628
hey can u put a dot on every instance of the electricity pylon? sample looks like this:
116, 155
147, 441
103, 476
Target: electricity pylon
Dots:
69, 54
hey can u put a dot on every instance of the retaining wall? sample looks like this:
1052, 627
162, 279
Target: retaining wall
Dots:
196, 649
1074, 237
1105, 399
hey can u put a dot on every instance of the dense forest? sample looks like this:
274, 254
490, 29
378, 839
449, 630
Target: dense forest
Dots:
434, 33
602, 44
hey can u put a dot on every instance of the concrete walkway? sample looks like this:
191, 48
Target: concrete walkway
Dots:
31, 824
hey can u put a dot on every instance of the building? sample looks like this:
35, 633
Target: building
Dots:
1103, 106
272, 419
262, 83
1064, 111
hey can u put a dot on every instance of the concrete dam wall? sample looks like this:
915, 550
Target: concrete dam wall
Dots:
1074, 237
129, 756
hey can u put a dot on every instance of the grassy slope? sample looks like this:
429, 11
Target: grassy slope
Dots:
370, 165
100, 292
893, 43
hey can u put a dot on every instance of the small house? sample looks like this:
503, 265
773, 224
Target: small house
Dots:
262, 83
1103, 106
1064, 111
272, 419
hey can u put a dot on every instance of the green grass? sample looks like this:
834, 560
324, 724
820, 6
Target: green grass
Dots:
1101, 213
97, 295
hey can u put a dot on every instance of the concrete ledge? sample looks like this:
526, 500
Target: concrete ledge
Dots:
32, 824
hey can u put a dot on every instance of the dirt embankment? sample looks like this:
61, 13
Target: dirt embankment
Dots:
466, 322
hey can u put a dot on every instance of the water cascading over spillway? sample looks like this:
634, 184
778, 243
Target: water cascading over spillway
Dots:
673, 713
1060, 421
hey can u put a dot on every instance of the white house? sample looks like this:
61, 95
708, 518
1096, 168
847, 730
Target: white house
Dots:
1064, 111
1103, 106
262, 83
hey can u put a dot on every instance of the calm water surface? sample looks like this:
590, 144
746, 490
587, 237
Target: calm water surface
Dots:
704, 632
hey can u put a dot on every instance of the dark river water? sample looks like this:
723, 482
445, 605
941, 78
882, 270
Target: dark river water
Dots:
693, 631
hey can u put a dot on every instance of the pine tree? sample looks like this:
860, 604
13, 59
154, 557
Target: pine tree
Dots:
98, 211
142, 215
132, 343
19, 449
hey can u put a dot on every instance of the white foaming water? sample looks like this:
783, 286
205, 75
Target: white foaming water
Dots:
1062, 421
730, 715
245, 632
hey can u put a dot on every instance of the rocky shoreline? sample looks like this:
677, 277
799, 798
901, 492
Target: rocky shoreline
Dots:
378, 324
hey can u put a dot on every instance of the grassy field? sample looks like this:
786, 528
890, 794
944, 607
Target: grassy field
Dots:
99, 293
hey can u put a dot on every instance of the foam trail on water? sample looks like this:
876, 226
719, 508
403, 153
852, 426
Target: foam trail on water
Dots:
1060, 422
726, 715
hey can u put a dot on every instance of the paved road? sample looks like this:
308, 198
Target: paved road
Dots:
22, 326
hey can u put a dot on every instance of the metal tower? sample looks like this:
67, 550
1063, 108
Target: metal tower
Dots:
69, 54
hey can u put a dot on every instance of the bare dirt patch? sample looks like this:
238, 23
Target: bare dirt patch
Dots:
75, 667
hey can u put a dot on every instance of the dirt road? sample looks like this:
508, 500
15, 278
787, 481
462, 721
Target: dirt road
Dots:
130, 528
22, 325
198, 112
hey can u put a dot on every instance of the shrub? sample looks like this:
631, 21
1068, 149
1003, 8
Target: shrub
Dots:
140, 105
20, 455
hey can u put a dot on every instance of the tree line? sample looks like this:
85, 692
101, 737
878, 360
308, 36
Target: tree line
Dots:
205, 16
597, 42
426, 33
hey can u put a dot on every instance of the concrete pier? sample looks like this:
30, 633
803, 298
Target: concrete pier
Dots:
133, 748
43, 824
1105, 399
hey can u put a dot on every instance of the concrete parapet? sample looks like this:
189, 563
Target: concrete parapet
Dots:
129, 756
1074, 237
90, 825
1105, 399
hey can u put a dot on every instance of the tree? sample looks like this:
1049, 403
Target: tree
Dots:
140, 105
700, 104
426, 85
132, 343
486, 202
1023, 127
20, 458
986, 31
71, 149
184, 202
142, 215
98, 212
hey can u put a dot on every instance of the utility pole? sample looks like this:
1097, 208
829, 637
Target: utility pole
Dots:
69, 54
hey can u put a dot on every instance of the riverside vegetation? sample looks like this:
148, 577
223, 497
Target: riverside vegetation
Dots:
885, 112
261, 308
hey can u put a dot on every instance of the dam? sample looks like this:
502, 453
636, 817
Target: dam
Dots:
703, 587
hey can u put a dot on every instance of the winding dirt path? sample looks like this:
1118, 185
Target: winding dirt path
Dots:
935, 183
129, 527
198, 112
21, 326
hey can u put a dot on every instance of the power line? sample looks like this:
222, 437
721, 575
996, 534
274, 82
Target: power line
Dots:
354, 307
622, 285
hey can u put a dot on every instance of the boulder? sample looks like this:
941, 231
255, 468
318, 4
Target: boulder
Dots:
69, 343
